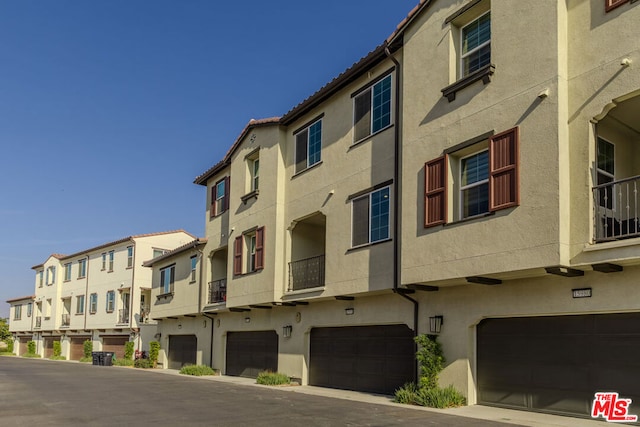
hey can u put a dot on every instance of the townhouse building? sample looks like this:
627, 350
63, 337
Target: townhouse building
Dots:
101, 294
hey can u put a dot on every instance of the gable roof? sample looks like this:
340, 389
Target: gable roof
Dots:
193, 244
30, 297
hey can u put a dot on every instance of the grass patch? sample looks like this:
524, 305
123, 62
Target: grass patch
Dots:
6, 353
58, 358
34, 355
435, 397
197, 370
272, 378
86, 360
122, 362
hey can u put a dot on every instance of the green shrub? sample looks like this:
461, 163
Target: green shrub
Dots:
57, 349
143, 363
197, 370
154, 350
31, 347
9, 345
87, 349
128, 350
122, 362
272, 378
431, 360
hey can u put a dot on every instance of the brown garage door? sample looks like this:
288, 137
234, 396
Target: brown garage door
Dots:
115, 344
249, 353
48, 346
182, 350
376, 359
77, 347
557, 364
23, 345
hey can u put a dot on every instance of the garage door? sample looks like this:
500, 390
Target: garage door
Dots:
182, 350
115, 344
249, 353
557, 364
377, 359
48, 346
23, 345
77, 347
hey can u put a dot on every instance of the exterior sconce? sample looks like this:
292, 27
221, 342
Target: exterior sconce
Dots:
286, 331
435, 324
132, 335
247, 320
349, 311
179, 325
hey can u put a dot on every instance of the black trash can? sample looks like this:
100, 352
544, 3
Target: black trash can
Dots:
107, 359
96, 357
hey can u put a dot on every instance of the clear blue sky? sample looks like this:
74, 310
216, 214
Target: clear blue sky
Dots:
110, 109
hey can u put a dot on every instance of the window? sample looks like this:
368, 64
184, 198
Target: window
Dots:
111, 255
93, 303
487, 181
167, 277
308, 147
40, 278
29, 309
47, 309
255, 174
104, 261
372, 109
82, 268
80, 304
254, 252
67, 272
475, 45
158, 252
194, 264
605, 170
370, 217
129, 256
17, 312
111, 301
51, 276
612, 4
219, 197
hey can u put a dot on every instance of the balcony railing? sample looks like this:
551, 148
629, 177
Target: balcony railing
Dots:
217, 291
617, 209
123, 315
306, 273
38, 322
66, 320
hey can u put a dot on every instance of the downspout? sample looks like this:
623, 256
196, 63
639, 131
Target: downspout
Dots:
86, 297
133, 281
202, 311
211, 350
397, 188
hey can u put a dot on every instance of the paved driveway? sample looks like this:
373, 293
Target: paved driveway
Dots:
45, 393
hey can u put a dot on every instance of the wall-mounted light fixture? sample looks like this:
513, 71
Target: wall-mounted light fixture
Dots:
349, 311
435, 324
247, 320
286, 331
179, 325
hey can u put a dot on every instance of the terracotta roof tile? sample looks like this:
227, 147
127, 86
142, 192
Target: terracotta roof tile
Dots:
194, 243
31, 297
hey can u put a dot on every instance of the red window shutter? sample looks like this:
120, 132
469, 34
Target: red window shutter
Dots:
237, 255
259, 261
503, 170
435, 185
227, 191
212, 208
612, 4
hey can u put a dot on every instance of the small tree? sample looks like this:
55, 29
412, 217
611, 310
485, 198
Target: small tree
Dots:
154, 350
57, 349
5, 335
31, 347
431, 360
128, 350
9, 342
87, 348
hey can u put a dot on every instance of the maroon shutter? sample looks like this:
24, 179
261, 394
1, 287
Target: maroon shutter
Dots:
503, 170
612, 4
435, 185
259, 261
237, 255
227, 191
212, 208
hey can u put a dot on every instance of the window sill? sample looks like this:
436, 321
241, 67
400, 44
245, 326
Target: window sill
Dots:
165, 296
304, 291
483, 74
366, 245
313, 166
368, 137
249, 196
248, 273
212, 217
469, 219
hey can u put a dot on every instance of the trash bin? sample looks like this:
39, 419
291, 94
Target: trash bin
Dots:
96, 356
107, 359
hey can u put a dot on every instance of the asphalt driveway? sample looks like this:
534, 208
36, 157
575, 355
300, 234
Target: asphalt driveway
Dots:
46, 393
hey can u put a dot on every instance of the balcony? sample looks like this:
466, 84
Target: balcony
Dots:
123, 316
66, 320
38, 322
217, 291
617, 209
144, 313
306, 273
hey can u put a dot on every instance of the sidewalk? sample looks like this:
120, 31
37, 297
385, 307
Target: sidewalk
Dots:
487, 413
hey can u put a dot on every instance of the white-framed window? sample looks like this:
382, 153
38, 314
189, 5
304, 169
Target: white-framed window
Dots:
80, 304
111, 258
159, 252
474, 184
605, 173
29, 309
93, 303
194, 264
248, 252
67, 272
371, 217
251, 251
40, 278
167, 278
111, 301
220, 197
129, 256
51, 275
47, 308
104, 260
308, 146
82, 268
475, 44
372, 108
17, 312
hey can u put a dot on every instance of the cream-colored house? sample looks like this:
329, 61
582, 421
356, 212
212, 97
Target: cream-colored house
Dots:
21, 321
100, 294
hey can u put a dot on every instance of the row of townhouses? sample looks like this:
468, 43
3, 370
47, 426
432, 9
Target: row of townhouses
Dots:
475, 176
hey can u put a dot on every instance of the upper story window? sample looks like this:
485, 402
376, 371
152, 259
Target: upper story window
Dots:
248, 252
29, 309
605, 171
167, 278
93, 303
372, 109
104, 261
612, 4
487, 179
80, 304
17, 312
51, 275
158, 252
194, 264
129, 256
82, 268
40, 278
308, 147
67, 272
475, 45
370, 217
111, 257
111, 301
219, 197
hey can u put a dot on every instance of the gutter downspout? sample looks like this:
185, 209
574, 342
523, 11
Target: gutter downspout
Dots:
397, 255
211, 350
202, 311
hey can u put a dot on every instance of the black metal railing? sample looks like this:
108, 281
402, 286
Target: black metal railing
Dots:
217, 291
66, 320
306, 273
617, 209
123, 315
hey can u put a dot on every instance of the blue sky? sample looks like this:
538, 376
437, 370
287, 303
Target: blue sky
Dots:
110, 109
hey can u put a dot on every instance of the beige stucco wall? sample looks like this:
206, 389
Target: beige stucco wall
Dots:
199, 326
